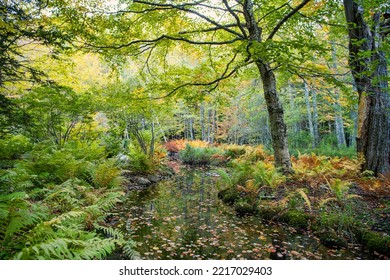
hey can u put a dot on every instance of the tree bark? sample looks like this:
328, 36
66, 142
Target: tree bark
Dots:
276, 118
369, 69
274, 105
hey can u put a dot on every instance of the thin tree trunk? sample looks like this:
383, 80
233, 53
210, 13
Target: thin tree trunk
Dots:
209, 113
191, 127
162, 131
309, 116
292, 107
369, 69
151, 147
339, 123
315, 118
202, 122
214, 126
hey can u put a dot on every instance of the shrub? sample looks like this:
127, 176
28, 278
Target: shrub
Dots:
139, 161
255, 154
233, 151
13, 146
175, 145
193, 156
106, 175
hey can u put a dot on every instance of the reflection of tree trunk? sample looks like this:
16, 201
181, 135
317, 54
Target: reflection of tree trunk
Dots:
369, 69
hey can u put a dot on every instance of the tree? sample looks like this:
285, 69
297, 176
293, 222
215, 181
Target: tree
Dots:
369, 68
56, 112
248, 30
21, 24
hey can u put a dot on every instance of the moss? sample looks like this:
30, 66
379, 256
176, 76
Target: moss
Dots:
268, 211
295, 219
229, 196
329, 238
244, 208
374, 241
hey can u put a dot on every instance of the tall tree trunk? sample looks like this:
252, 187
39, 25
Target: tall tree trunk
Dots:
369, 69
339, 123
191, 127
295, 128
309, 116
274, 106
276, 120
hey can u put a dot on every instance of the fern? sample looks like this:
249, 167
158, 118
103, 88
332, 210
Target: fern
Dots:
65, 216
129, 252
95, 249
305, 198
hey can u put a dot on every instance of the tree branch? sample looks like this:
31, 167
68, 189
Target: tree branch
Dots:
236, 17
225, 75
183, 7
276, 9
167, 37
283, 20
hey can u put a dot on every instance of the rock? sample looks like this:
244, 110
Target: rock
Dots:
142, 181
122, 159
127, 173
153, 178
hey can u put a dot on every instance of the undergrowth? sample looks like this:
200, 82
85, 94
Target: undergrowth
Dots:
53, 202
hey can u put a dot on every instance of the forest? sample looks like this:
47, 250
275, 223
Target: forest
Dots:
194, 129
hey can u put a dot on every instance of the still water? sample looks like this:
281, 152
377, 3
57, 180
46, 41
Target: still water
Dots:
182, 218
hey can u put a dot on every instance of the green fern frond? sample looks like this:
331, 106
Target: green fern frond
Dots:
225, 178
129, 252
95, 249
108, 201
110, 232
65, 216
52, 249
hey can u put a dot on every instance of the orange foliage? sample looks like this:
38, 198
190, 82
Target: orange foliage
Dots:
175, 145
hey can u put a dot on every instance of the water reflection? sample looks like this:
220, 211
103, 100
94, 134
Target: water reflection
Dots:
182, 218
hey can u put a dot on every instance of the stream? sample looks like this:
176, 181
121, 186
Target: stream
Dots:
182, 218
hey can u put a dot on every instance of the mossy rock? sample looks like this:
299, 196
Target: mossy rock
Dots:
229, 196
268, 212
329, 238
374, 241
295, 219
243, 208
